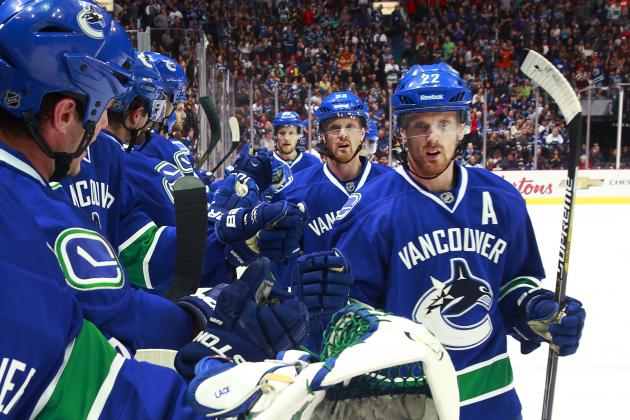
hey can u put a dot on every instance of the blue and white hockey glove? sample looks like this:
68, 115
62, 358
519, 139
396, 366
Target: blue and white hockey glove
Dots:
257, 163
267, 230
236, 191
539, 319
322, 280
245, 320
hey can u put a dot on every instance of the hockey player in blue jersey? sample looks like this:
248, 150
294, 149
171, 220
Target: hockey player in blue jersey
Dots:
48, 346
342, 120
44, 135
287, 128
453, 248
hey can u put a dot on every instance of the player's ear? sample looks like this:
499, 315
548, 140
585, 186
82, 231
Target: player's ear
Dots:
63, 113
136, 116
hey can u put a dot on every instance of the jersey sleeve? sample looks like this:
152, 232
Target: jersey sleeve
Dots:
524, 268
359, 240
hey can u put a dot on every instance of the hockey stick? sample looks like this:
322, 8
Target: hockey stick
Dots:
215, 128
236, 139
540, 70
191, 220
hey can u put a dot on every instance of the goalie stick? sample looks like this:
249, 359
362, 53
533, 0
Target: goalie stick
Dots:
541, 71
191, 222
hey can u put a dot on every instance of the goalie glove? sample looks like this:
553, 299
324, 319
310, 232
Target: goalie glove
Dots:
245, 320
236, 191
225, 389
267, 230
539, 318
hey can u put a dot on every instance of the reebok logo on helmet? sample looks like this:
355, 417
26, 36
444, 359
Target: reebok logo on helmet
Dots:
431, 97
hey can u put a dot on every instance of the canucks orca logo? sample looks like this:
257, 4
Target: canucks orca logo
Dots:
456, 310
91, 22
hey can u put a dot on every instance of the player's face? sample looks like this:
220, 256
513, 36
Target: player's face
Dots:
343, 136
431, 139
287, 139
75, 165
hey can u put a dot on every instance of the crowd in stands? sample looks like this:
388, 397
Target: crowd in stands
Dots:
302, 48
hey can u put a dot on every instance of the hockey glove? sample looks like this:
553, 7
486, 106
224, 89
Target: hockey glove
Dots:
267, 230
540, 319
245, 320
257, 163
236, 191
322, 280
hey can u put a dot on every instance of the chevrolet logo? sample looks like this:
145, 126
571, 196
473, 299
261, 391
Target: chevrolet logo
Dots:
584, 183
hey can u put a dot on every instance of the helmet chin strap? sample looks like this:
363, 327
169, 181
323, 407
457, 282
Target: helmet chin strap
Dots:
134, 134
62, 159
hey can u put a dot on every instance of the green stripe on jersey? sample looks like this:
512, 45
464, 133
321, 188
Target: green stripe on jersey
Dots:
136, 253
82, 378
484, 380
527, 282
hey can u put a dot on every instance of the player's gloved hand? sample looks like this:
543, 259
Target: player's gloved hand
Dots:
236, 191
226, 389
544, 320
322, 280
257, 163
267, 230
245, 320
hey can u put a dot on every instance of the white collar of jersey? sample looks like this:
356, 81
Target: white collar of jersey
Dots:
13, 158
291, 163
366, 167
463, 183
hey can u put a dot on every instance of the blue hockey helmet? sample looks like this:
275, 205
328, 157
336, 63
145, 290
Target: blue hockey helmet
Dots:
341, 104
172, 73
147, 86
286, 119
431, 88
61, 46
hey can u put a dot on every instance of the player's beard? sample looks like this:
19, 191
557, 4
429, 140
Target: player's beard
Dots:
426, 163
286, 149
343, 153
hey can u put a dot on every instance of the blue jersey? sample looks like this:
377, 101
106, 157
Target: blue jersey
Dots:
90, 265
172, 151
324, 194
301, 162
455, 262
47, 345
146, 250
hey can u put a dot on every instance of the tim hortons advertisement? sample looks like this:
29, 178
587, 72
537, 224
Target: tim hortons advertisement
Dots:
604, 186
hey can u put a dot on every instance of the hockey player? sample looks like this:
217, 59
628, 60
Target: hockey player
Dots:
156, 145
287, 127
48, 347
342, 120
48, 118
453, 248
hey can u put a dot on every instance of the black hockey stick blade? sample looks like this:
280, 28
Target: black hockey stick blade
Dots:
541, 71
191, 216
215, 127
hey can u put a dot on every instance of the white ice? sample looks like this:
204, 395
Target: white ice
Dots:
593, 383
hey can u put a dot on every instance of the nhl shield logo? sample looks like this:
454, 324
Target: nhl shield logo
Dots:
350, 186
12, 99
